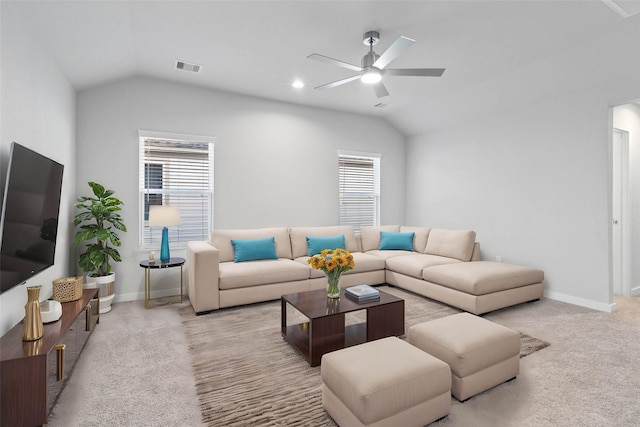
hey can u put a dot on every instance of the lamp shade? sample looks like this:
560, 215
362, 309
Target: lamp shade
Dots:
163, 216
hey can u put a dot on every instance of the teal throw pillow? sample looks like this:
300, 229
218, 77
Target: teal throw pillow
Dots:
396, 241
317, 244
254, 249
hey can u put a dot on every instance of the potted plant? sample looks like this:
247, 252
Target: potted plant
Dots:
98, 220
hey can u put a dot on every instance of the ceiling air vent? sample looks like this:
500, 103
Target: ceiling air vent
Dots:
180, 65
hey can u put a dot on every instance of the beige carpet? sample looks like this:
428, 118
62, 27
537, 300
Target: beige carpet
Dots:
134, 371
137, 371
247, 375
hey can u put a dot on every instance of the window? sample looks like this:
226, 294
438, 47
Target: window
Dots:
359, 181
176, 170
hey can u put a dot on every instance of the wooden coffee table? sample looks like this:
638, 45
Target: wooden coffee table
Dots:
325, 331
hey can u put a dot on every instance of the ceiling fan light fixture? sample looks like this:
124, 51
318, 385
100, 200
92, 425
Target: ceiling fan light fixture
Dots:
373, 66
371, 76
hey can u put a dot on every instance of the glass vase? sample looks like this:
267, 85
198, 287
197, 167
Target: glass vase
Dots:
33, 326
333, 286
333, 305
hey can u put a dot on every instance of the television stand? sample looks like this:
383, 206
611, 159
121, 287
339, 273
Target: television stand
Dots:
34, 373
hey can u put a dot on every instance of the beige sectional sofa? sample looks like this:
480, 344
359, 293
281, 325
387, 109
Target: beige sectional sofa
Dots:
438, 267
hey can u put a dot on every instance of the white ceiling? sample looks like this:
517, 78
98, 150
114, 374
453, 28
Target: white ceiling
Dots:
528, 49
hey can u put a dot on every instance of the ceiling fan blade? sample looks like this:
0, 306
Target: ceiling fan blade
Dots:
427, 72
400, 45
381, 90
338, 82
322, 58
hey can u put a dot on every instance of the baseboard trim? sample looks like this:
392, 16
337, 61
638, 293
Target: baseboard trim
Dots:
608, 308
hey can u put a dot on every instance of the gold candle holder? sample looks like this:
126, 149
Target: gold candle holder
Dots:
33, 326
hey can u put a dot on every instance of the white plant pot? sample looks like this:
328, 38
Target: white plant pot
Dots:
106, 284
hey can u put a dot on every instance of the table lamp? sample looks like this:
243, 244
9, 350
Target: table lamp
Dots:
164, 216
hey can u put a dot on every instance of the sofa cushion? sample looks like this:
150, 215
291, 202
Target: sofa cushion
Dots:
420, 239
364, 262
389, 254
370, 235
483, 277
221, 240
456, 244
254, 249
299, 236
244, 274
316, 244
396, 241
412, 265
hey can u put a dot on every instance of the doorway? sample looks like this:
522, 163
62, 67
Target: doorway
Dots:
620, 213
624, 137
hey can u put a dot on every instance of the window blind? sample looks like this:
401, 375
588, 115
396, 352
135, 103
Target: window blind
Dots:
359, 181
179, 173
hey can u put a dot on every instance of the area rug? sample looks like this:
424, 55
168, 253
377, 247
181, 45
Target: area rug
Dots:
247, 375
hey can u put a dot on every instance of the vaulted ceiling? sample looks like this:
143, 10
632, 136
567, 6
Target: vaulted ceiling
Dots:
496, 53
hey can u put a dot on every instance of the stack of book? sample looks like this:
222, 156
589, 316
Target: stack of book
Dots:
362, 293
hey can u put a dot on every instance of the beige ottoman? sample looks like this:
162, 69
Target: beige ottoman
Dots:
480, 353
387, 382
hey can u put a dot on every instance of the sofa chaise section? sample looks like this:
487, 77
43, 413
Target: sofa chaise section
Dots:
484, 286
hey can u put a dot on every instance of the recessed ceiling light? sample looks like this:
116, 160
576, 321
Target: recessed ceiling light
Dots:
298, 84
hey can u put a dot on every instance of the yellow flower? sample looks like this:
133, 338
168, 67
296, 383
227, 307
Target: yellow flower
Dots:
336, 261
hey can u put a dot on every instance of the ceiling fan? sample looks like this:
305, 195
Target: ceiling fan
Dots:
373, 65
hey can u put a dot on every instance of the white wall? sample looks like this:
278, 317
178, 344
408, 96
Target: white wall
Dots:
38, 111
627, 117
275, 163
535, 184
534, 177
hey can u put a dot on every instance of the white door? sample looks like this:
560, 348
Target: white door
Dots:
620, 222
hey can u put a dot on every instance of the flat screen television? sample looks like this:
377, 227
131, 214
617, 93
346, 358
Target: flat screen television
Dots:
30, 210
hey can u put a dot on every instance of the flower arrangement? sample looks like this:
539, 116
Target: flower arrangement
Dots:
333, 262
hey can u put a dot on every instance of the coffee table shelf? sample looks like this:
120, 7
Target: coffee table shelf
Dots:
326, 331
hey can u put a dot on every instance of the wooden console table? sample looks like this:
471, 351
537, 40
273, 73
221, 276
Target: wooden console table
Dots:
34, 373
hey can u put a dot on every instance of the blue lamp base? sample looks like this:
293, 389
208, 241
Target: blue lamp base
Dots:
164, 248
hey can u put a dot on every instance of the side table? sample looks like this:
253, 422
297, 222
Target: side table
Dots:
148, 266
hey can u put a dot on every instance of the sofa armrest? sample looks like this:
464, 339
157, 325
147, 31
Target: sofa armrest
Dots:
475, 256
203, 266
